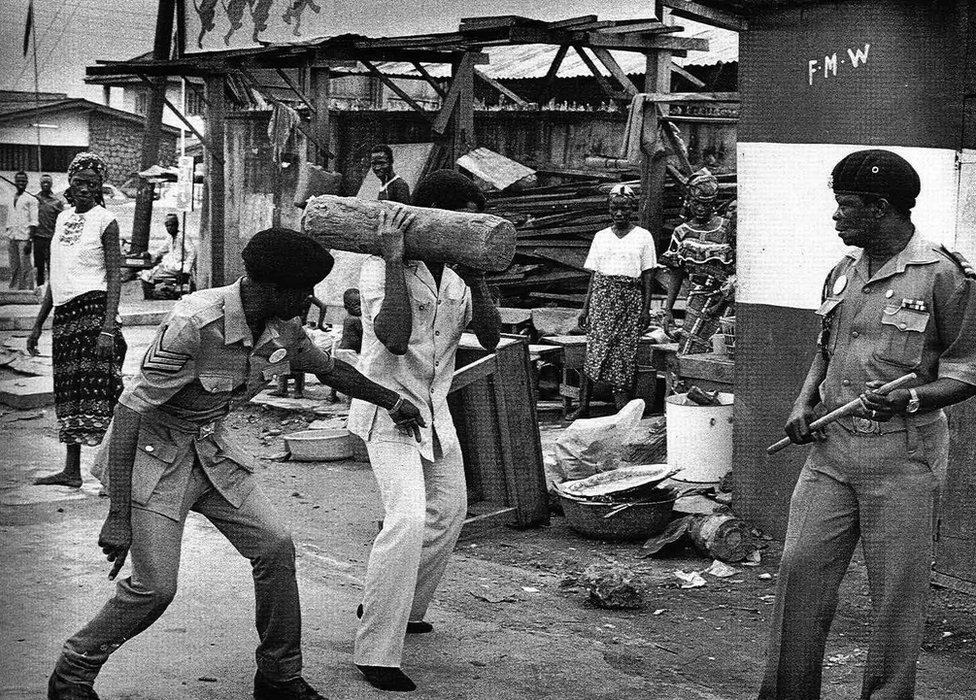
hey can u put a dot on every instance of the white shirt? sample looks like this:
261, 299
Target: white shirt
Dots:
77, 256
423, 375
23, 215
628, 256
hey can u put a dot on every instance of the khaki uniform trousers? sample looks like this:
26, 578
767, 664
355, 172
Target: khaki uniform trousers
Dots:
881, 489
140, 599
424, 504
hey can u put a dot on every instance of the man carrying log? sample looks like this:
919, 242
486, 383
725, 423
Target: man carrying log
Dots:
414, 312
169, 453
900, 304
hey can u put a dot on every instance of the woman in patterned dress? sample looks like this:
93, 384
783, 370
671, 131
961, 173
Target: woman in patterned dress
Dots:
617, 307
702, 250
87, 345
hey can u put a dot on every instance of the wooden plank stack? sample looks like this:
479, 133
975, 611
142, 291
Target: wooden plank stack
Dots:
554, 228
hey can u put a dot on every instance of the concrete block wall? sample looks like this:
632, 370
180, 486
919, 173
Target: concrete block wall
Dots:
120, 143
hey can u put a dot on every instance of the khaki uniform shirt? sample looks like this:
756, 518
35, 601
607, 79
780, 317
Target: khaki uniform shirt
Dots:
201, 358
423, 375
916, 314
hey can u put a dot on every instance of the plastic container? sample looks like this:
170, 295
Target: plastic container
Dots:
320, 445
699, 438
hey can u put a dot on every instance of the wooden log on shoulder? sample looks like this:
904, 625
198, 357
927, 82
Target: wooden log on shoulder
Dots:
481, 241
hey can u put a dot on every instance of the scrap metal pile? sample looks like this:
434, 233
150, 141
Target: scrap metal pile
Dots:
555, 225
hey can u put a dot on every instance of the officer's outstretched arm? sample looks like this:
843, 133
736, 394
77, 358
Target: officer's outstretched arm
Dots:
116, 535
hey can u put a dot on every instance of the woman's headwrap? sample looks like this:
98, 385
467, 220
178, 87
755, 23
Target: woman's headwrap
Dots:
622, 191
703, 186
88, 161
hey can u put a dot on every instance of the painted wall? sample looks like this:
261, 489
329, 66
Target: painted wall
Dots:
815, 84
70, 129
216, 26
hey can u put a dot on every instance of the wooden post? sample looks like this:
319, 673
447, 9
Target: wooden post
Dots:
319, 79
152, 126
462, 123
654, 165
216, 114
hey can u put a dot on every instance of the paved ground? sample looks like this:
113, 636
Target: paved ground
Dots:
509, 621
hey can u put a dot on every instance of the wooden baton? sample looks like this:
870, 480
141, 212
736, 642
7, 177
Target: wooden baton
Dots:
845, 410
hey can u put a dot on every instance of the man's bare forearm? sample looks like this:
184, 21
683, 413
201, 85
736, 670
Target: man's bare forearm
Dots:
485, 319
395, 320
810, 393
121, 455
345, 378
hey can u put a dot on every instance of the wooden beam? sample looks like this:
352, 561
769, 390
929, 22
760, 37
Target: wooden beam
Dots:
709, 15
401, 93
650, 42
218, 156
469, 374
429, 78
600, 77
294, 88
463, 122
551, 74
501, 88
321, 125
675, 68
447, 109
607, 59
672, 97
216, 117
654, 163
650, 27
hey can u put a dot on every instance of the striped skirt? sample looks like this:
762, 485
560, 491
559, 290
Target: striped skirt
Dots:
85, 389
611, 341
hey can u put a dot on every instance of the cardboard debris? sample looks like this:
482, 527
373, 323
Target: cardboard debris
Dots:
720, 569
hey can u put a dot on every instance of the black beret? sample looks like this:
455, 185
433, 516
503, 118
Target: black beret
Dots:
877, 172
285, 257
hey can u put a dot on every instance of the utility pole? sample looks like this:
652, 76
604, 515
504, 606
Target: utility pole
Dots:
142, 217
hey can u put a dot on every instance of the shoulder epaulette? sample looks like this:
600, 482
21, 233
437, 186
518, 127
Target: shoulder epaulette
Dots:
199, 309
961, 262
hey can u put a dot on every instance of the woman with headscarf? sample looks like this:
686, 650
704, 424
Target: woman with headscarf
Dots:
702, 250
617, 307
87, 344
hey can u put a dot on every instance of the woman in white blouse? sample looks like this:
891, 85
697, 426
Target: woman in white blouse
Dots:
87, 344
617, 307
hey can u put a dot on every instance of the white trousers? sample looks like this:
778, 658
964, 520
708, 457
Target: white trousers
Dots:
425, 504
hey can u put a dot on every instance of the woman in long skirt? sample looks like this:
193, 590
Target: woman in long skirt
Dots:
617, 307
702, 249
87, 344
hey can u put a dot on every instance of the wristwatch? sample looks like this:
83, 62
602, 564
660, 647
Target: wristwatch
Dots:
913, 403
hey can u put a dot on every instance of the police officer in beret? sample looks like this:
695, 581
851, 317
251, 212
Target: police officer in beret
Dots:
896, 304
169, 453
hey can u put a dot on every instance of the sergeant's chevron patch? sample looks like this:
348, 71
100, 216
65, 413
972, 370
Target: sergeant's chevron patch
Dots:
159, 359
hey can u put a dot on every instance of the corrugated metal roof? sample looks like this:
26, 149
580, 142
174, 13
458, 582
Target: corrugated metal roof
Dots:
533, 60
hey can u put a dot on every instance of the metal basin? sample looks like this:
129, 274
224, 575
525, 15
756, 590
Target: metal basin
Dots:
636, 521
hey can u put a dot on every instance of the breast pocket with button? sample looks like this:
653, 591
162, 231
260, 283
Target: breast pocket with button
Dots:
218, 383
902, 336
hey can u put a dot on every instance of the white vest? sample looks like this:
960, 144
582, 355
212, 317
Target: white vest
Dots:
77, 256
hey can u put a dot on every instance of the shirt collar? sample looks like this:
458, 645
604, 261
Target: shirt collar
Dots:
918, 251
235, 323
389, 182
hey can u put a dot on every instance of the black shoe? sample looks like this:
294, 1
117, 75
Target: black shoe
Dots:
387, 678
60, 689
412, 627
294, 689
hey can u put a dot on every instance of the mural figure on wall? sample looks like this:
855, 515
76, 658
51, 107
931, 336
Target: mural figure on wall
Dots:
206, 11
296, 8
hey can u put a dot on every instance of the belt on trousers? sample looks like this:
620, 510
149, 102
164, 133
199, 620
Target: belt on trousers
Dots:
897, 424
181, 424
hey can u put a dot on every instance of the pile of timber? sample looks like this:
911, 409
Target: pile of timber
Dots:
554, 228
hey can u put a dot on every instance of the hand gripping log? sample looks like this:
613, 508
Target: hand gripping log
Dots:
845, 410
